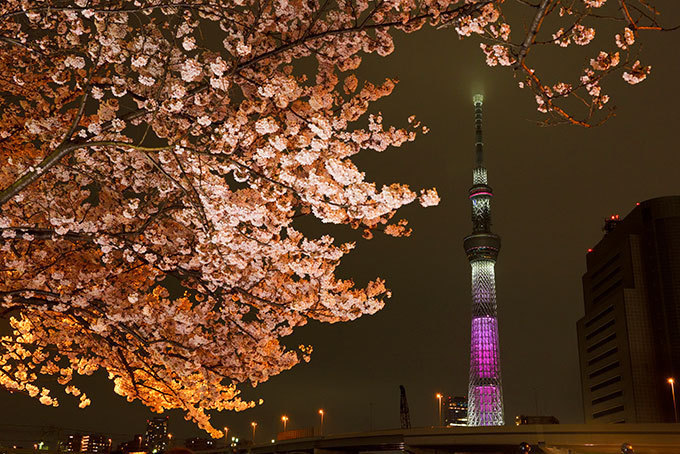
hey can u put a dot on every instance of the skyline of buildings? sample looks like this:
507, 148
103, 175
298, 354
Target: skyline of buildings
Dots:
629, 337
485, 389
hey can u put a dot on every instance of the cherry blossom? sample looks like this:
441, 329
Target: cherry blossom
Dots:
637, 73
138, 154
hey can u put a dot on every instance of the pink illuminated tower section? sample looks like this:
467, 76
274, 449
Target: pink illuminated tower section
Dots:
485, 391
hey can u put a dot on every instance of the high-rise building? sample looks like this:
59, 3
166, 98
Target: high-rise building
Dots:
157, 434
455, 411
485, 391
629, 338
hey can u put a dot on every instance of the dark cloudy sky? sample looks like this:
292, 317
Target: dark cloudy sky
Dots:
553, 187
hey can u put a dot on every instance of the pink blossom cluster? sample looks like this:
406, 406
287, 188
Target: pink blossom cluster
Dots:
140, 154
234, 147
564, 23
637, 73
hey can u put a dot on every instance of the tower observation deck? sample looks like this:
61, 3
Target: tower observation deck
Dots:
485, 390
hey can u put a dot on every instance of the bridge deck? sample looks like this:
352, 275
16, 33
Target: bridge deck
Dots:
558, 438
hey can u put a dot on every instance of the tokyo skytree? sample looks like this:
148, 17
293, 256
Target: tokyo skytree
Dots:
485, 390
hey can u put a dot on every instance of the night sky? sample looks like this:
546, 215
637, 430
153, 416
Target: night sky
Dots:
553, 186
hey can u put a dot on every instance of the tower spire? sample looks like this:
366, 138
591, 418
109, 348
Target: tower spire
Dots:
478, 100
485, 391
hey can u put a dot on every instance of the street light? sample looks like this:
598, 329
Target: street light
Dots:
321, 414
226, 432
254, 424
439, 399
671, 382
284, 420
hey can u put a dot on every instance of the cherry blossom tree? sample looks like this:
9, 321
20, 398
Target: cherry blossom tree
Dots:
145, 142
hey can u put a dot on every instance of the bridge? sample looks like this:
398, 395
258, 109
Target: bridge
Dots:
551, 439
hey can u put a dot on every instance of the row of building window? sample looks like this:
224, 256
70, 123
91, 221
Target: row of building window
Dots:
604, 369
604, 280
600, 343
599, 316
604, 267
610, 411
597, 331
608, 291
609, 396
602, 356
605, 383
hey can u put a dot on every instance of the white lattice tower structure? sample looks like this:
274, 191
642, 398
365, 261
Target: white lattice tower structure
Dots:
485, 390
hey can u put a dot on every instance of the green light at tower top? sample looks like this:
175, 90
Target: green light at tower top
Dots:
478, 98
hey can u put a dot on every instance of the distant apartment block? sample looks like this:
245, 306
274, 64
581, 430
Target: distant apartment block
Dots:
87, 443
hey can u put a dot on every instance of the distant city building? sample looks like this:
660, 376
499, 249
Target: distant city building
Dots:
87, 443
199, 444
629, 338
136, 445
455, 411
72, 443
157, 434
8, 447
521, 420
95, 444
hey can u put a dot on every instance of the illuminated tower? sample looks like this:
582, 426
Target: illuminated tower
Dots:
485, 391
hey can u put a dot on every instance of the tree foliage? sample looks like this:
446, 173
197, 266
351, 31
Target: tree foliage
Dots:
152, 140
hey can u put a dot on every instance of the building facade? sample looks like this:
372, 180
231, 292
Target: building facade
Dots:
87, 443
456, 411
156, 437
485, 390
629, 338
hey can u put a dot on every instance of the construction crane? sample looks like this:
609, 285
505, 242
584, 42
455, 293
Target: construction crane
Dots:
403, 409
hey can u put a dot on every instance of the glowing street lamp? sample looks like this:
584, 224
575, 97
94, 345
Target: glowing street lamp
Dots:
226, 432
439, 399
254, 424
321, 413
284, 420
671, 382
